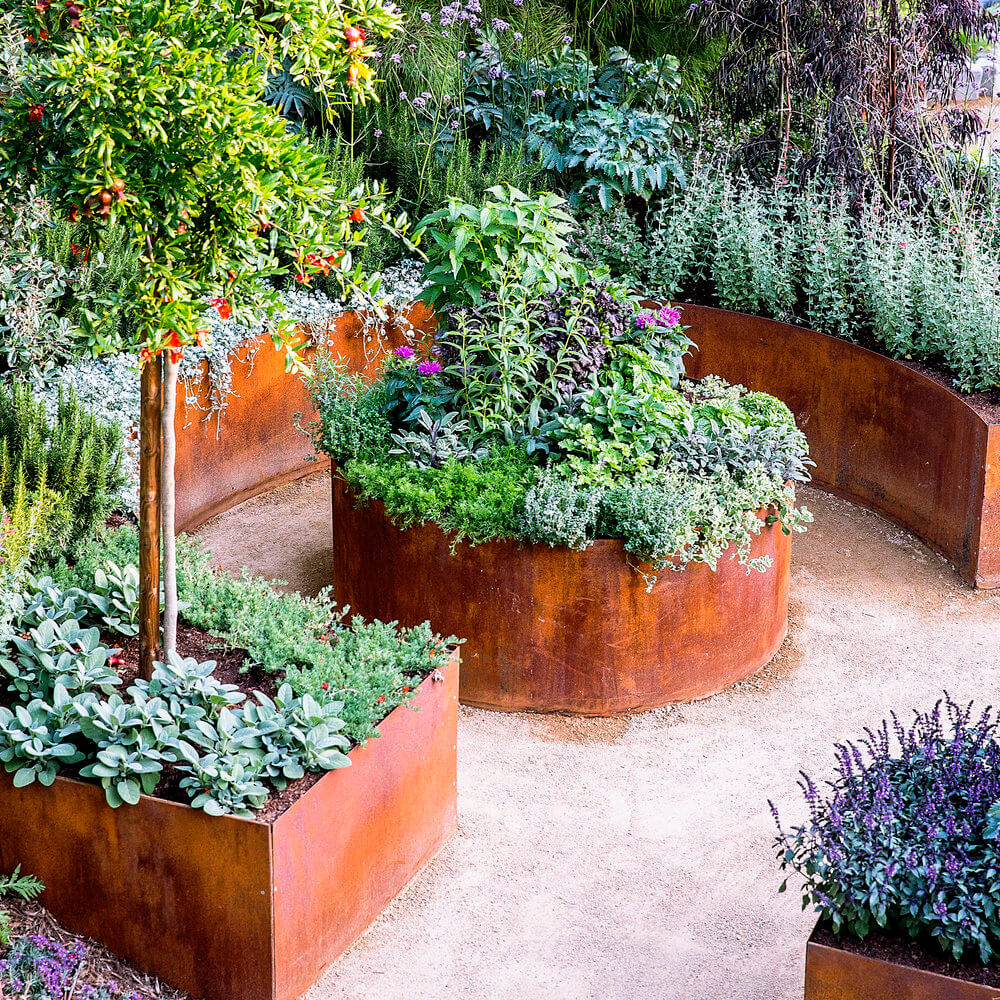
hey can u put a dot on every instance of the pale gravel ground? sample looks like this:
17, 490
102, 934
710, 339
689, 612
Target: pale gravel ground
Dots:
615, 859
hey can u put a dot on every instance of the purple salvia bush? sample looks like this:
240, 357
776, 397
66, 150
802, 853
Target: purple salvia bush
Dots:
904, 838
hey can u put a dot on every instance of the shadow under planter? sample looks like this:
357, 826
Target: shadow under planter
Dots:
252, 445
234, 909
882, 434
555, 630
834, 972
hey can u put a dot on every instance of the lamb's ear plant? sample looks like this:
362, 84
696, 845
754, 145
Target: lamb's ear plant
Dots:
32, 746
218, 784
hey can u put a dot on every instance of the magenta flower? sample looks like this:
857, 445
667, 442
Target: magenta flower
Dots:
429, 367
404, 352
671, 317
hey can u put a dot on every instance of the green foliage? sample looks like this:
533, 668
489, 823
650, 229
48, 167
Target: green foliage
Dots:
72, 464
16, 884
364, 665
624, 141
139, 114
478, 501
295, 733
34, 745
59, 654
512, 238
919, 287
559, 511
351, 422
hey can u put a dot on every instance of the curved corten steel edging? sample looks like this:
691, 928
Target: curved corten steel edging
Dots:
833, 973
252, 445
882, 434
554, 630
232, 909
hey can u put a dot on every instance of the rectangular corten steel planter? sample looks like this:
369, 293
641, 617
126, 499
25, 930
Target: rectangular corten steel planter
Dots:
882, 434
833, 973
235, 909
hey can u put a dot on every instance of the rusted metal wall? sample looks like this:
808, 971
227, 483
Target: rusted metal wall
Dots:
882, 434
232, 909
252, 446
341, 854
833, 974
180, 894
550, 629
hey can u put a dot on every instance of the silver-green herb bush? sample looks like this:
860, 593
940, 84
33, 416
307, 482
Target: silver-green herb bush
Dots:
917, 287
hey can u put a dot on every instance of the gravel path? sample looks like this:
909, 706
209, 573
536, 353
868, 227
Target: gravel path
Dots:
622, 858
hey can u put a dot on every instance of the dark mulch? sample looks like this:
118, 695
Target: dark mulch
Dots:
101, 965
905, 951
986, 404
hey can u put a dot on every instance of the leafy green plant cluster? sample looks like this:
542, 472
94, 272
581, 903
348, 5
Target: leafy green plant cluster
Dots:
71, 464
510, 239
16, 884
370, 668
67, 712
626, 142
918, 287
560, 415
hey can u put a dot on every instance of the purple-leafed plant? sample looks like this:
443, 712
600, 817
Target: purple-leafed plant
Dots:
39, 968
904, 837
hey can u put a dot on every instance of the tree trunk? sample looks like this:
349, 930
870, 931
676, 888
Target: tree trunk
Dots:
149, 516
168, 504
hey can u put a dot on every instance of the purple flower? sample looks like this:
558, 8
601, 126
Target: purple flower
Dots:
538, 93
567, 39
404, 352
672, 317
425, 17
396, 58
429, 367
378, 133
499, 24
461, 54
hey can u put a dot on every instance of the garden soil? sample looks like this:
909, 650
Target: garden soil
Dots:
620, 858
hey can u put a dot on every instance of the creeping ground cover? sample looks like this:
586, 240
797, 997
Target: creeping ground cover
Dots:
551, 408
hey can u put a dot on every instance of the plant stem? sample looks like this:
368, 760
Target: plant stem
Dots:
169, 506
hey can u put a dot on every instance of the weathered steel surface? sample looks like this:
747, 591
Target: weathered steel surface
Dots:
882, 434
345, 850
232, 909
180, 894
553, 630
252, 446
833, 974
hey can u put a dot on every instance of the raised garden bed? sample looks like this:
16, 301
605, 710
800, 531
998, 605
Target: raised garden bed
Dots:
883, 434
881, 968
557, 630
235, 909
252, 445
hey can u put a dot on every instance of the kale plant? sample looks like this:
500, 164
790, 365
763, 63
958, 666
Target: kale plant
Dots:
904, 837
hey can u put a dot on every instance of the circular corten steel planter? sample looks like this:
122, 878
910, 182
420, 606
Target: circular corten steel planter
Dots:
882, 434
554, 630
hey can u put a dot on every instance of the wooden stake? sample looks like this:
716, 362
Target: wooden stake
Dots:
151, 450
168, 506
